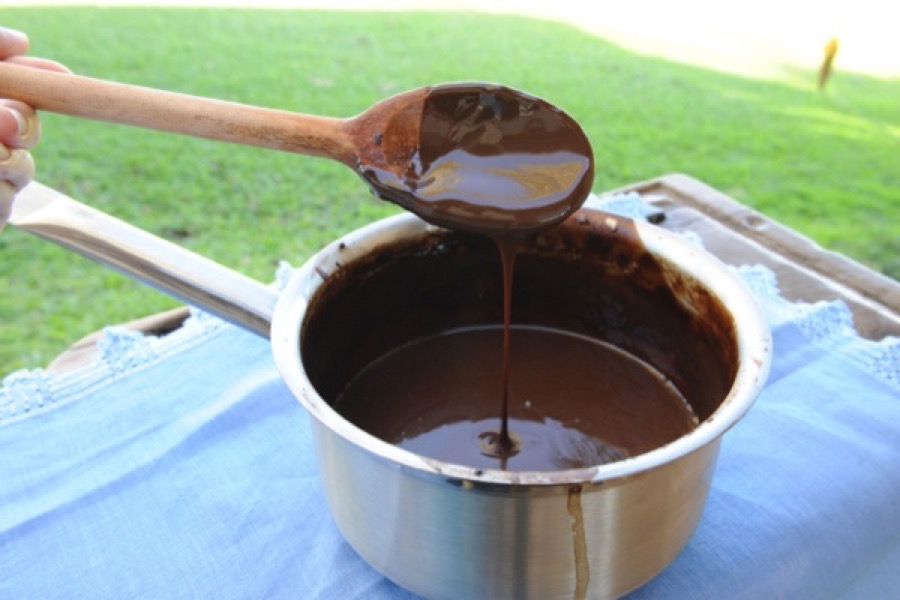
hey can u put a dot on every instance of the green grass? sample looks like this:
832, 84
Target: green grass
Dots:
827, 164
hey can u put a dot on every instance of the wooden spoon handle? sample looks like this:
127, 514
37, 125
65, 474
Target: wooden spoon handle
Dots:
177, 113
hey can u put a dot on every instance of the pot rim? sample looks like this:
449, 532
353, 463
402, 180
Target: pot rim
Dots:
753, 341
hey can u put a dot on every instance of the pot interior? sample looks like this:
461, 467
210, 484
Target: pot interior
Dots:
591, 276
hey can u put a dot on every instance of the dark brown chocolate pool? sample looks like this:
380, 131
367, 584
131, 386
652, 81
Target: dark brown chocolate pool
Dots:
613, 353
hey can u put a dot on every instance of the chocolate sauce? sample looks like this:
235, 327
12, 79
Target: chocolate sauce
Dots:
586, 277
575, 401
491, 159
503, 444
496, 161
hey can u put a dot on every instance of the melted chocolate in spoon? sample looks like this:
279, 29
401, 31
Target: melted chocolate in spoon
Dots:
489, 159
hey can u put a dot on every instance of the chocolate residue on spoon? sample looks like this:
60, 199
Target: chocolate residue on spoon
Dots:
489, 159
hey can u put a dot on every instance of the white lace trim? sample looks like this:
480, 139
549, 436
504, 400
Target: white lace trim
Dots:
827, 325
122, 350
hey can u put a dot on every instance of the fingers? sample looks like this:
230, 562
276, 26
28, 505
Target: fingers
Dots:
38, 63
16, 167
19, 125
12, 43
21, 131
16, 170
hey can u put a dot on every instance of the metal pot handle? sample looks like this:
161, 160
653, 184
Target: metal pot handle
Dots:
44, 212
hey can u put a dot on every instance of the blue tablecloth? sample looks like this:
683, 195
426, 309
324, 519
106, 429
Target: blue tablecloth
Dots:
181, 467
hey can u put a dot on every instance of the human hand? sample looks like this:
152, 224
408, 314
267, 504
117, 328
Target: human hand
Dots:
19, 125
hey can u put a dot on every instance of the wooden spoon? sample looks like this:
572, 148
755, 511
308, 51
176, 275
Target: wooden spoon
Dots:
470, 156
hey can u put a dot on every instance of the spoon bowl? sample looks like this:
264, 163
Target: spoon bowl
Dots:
476, 157
472, 156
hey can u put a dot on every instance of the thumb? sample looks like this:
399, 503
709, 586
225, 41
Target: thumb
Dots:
19, 126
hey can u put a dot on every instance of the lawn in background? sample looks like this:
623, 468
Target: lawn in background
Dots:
826, 164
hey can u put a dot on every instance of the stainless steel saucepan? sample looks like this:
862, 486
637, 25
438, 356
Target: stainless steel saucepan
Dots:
451, 531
